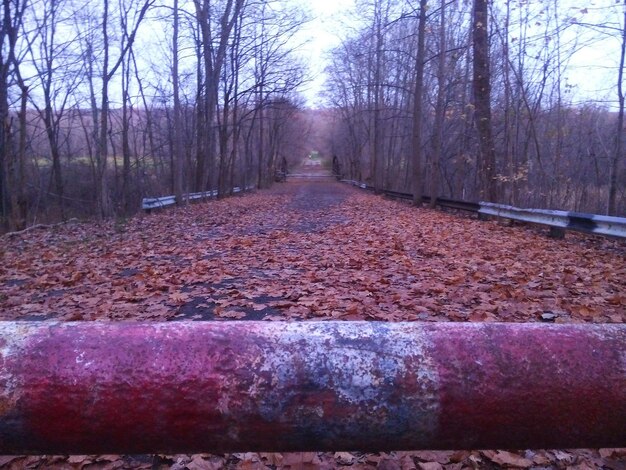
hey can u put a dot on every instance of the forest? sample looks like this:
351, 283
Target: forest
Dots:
104, 103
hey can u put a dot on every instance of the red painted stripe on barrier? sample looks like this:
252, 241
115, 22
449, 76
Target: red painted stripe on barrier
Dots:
528, 386
246, 386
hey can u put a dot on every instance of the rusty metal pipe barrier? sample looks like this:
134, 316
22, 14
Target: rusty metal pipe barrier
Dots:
264, 386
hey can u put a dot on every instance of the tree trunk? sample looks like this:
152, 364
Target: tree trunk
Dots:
236, 125
103, 197
619, 135
437, 141
482, 99
103, 200
261, 112
213, 62
5, 129
418, 101
126, 176
13, 184
55, 153
223, 124
51, 116
178, 128
200, 120
17, 220
377, 177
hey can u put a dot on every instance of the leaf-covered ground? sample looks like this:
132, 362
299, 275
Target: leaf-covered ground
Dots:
314, 250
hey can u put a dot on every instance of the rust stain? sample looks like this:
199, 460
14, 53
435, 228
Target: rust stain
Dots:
246, 386
532, 386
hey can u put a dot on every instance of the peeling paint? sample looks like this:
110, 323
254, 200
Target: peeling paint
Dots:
372, 371
249, 386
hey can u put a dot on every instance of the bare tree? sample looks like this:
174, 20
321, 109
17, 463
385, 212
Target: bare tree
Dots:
418, 103
13, 207
178, 156
214, 49
58, 75
619, 132
482, 98
104, 203
378, 42
437, 140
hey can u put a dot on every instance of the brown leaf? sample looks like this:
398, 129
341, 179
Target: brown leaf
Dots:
430, 466
179, 298
301, 460
80, 460
389, 463
273, 458
582, 466
407, 463
510, 459
74, 316
7, 459
235, 314
564, 457
612, 453
344, 458
107, 458
199, 463
441, 457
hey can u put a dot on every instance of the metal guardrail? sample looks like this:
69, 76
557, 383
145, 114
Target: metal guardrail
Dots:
589, 223
449, 203
190, 387
164, 201
304, 175
558, 221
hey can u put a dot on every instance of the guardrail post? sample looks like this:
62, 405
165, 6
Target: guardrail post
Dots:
557, 232
274, 386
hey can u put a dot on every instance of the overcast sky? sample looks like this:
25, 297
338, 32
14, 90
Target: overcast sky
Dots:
592, 69
324, 33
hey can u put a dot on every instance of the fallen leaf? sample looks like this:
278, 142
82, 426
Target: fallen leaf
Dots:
344, 458
510, 459
179, 298
81, 460
199, 463
430, 466
441, 457
235, 314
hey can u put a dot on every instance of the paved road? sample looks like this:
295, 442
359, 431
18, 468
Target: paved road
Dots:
305, 249
312, 168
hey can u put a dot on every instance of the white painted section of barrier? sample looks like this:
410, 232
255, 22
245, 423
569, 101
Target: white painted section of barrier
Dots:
164, 201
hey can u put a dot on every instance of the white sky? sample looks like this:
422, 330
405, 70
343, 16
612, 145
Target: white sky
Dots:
592, 69
324, 33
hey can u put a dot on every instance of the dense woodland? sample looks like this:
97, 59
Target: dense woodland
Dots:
470, 100
103, 103
106, 102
